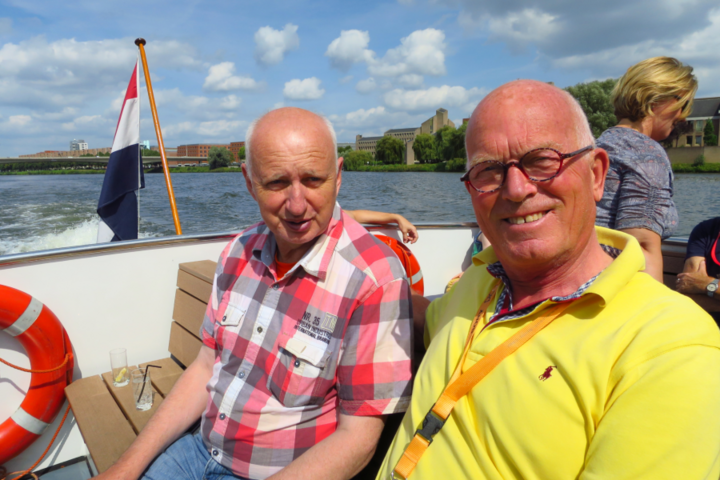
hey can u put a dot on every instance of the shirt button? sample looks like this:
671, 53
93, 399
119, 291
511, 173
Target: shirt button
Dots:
259, 329
297, 363
224, 318
241, 374
222, 416
215, 453
276, 286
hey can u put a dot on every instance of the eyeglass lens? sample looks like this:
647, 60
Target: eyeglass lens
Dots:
538, 165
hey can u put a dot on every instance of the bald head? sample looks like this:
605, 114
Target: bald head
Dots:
289, 122
537, 103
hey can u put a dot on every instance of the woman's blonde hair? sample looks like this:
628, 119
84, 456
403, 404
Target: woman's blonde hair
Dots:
650, 82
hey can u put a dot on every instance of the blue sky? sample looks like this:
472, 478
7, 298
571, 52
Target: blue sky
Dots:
368, 66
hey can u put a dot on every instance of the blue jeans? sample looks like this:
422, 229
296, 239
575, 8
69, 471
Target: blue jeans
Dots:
187, 459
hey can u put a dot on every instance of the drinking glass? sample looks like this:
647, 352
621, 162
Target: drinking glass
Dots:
118, 362
142, 389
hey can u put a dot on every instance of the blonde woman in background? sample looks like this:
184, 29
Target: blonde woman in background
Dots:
649, 100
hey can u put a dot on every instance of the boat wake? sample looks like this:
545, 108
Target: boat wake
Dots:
84, 233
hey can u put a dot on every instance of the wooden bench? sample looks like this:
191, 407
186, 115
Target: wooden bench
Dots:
106, 414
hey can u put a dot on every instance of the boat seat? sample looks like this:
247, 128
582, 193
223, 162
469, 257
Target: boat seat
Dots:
105, 414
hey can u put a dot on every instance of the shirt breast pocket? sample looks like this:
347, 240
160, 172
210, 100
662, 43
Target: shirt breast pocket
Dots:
299, 376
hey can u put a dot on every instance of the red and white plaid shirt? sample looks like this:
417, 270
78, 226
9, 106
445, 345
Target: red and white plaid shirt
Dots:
335, 332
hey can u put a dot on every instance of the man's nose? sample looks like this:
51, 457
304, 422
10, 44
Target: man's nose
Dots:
296, 204
517, 185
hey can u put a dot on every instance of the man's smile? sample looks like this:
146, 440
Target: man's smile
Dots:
521, 219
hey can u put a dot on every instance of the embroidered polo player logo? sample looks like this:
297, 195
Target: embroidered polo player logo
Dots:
547, 373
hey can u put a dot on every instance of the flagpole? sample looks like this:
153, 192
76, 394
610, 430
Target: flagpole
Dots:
140, 42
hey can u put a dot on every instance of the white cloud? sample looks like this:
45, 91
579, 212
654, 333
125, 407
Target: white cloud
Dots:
422, 53
225, 128
19, 120
434, 97
698, 49
222, 78
84, 122
308, 89
366, 86
196, 106
349, 48
46, 75
346, 79
568, 28
271, 45
410, 80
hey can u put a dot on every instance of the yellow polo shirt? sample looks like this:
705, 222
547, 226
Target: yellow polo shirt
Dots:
633, 392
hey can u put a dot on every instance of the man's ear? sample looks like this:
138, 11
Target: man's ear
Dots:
339, 173
599, 168
248, 180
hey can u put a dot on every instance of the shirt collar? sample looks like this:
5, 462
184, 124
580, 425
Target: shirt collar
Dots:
316, 260
611, 280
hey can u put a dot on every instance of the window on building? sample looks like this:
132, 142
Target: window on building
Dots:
699, 125
688, 140
698, 140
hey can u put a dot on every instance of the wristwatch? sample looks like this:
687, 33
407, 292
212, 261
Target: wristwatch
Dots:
712, 288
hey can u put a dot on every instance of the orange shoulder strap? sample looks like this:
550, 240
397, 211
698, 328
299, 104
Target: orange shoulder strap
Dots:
460, 385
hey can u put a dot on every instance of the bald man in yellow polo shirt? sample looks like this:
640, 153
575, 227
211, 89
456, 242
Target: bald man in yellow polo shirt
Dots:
623, 382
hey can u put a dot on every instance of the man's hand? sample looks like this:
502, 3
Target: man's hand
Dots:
694, 278
410, 233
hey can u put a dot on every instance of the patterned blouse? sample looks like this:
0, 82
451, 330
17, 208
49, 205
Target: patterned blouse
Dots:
639, 184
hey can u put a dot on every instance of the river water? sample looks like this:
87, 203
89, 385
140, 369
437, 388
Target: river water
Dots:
39, 212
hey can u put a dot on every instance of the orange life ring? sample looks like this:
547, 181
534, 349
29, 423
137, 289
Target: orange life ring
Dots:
409, 262
47, 345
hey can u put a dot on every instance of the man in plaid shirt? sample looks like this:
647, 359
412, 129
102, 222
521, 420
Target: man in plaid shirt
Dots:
307, 335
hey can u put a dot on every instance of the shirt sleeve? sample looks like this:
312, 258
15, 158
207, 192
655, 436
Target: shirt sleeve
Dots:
374, 374
701, 240
645, 196
663, 420
207, 330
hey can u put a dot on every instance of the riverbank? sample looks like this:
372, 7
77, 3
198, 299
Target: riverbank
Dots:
457, 165
452, 166
689, 168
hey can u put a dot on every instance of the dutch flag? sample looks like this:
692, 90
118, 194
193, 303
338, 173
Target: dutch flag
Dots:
118, 206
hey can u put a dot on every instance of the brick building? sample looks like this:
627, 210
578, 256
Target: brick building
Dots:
198, 149
235, 149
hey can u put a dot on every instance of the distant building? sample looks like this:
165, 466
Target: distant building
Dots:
235, 149
703, 109
145, 144
198, 149
430, 126
77, 145
436, 122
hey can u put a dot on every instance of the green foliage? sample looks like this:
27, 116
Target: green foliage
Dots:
52, 166
687, 168
455, 165
709, 134
450, 143
389, 150
241, 153
424, 148
219, 157
342, 151
700, 160
150, 153
354, 160
594, 98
